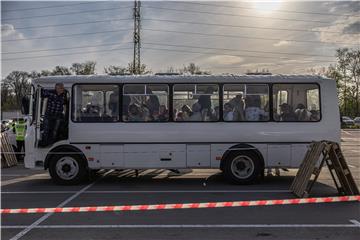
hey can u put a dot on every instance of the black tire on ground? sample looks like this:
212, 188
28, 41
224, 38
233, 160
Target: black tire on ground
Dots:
68, 169
242, 167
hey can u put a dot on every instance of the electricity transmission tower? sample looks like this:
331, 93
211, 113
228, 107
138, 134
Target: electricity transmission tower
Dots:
137, 26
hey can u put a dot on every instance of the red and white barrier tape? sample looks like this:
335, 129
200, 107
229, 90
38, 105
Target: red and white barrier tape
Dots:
183, 205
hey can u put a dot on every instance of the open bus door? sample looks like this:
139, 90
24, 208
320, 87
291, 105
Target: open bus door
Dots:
62, 123
38, 116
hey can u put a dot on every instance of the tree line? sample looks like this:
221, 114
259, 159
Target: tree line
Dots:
346, 73
16, 84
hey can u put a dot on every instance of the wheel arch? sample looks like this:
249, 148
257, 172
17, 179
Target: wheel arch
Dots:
62, 148
242, 147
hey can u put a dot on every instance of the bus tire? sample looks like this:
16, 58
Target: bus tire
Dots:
68, 169
242, 167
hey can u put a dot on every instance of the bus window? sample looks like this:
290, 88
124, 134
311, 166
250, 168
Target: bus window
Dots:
196, 102
302, 102
246, 102
145, 103
96, 103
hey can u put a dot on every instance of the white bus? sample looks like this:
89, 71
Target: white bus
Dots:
240, 124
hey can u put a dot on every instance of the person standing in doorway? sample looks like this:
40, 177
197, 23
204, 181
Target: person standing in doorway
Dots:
54, 113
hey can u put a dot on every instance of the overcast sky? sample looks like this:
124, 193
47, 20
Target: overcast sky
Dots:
281, 36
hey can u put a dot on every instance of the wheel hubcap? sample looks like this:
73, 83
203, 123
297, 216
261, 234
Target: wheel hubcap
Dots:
242, 167
67, 168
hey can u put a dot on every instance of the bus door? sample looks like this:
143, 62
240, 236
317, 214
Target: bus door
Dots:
40, 114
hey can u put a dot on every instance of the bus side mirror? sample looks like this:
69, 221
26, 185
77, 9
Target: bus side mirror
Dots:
25, 105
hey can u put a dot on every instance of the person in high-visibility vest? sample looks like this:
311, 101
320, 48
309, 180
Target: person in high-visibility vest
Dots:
20, 130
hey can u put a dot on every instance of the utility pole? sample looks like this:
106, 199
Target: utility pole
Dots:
137, 26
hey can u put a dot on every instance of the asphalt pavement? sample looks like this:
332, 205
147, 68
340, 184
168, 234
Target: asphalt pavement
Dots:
24, 188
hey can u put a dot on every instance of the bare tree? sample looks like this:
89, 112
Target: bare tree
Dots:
61, 70
86, 68
143, 69
17, 82
193, 69
116, 70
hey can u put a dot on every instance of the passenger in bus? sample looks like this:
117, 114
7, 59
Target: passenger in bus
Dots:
186, 110
146, 115
238, 105
302, 113
196, 112
315, 115
228, 112
92, 111
286, 113
163, 114
54, 114
216, 113
125, 106
205, 103
134, 113
205, 100
152, 103
113, 104
180, 117
253, 112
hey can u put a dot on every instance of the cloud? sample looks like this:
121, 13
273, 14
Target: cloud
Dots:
343, 30
224, 60
352, 28
8, 30
281, 43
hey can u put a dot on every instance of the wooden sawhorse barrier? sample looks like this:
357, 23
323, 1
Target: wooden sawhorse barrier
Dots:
331, 155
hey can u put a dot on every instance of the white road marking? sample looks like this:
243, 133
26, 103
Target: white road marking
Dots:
46, 216
156, 191
355, 222
194, 226
351, 166
22, 179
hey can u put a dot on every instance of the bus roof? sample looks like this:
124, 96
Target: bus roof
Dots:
71, 79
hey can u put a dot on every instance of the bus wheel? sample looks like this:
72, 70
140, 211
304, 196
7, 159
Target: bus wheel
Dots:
242, 167
69, 169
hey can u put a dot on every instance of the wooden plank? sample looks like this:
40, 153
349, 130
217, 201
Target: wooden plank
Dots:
302, 183
342, 171
7, 152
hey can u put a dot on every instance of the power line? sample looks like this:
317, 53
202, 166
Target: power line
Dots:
66, 54
74, 23
235, 15
171, 45
155, 49
240, 50
67, 13
67, 35
247, 37
179, 32
44, 7
275, 10
177, 21
65, 48
234, 55
239, 26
